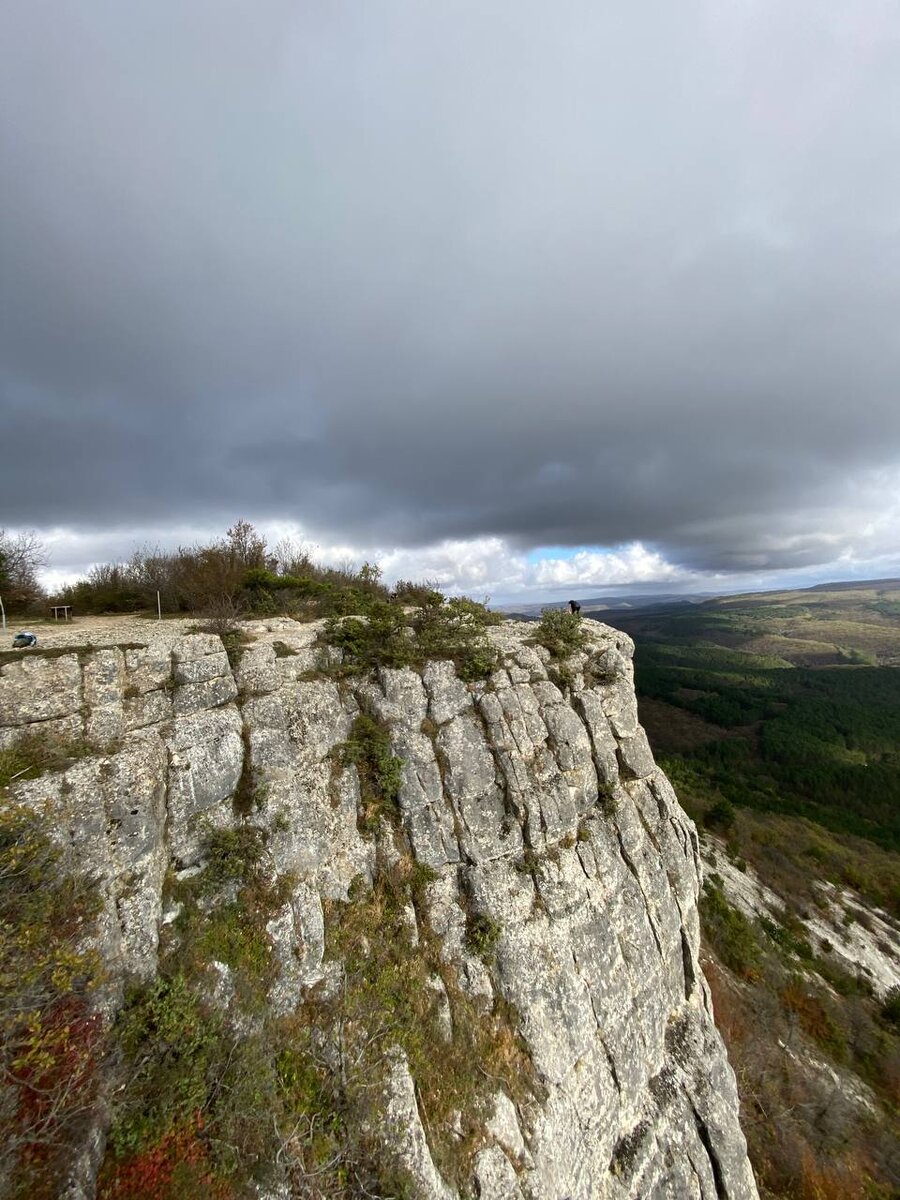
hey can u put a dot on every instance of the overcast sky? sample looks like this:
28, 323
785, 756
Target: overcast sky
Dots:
525, 296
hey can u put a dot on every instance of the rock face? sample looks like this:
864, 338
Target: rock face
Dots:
534, 801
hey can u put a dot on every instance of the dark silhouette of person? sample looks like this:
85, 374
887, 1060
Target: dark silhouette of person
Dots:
574, 607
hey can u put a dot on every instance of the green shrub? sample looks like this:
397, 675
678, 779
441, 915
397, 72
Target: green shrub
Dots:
560, 632
729, 932
789, 935
172, 1043
223, 579
376, 640
236, 937
388, 637
407, 592
224, 909
209, 1110
232, 855
720, 815
235, 641
844, 982
196, 1092
482, 934
368, 748
283, 650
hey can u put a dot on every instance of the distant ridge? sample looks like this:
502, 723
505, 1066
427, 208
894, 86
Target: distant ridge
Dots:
636, 602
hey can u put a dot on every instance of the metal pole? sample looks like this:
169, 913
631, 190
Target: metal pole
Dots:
158, 607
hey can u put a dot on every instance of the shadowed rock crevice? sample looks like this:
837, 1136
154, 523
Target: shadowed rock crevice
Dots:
715, 1164
687, 960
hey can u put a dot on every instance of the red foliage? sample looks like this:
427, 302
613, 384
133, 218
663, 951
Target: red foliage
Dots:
177, 1165
729, 1008
846, 1178
55, 1072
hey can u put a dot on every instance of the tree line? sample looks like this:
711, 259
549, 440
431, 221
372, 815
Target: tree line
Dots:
233, 575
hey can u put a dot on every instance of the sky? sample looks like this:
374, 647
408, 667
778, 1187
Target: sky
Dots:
530, 299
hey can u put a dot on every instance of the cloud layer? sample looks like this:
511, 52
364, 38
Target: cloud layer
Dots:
420, 276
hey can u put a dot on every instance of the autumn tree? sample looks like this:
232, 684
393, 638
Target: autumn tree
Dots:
21, 557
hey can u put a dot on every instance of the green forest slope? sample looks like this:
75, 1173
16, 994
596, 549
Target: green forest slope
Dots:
777, 718
785, 703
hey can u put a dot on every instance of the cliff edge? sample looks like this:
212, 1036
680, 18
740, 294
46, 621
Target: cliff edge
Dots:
456, 920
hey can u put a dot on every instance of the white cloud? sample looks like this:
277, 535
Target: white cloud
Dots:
856, 541
474, 566
594, 568
489, 566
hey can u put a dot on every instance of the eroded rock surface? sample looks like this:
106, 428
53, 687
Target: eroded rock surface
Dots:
534, 800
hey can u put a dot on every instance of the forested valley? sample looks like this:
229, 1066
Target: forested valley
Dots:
777, 718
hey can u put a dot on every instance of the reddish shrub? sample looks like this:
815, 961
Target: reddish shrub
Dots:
815, 1021
54, 1075
843, 1179
178, 1167
729, 1009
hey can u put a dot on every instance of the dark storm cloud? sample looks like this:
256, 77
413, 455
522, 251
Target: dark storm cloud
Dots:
406, 272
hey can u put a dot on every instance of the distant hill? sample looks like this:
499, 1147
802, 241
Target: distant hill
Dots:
827, 625
601, 604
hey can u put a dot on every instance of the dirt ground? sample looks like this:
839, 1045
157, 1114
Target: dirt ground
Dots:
99, 631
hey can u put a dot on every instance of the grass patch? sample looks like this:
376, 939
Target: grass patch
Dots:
37, 754
283, 650
368, 748
251, 793
232, 856
169, 1039
225, 910
210, 1107
11, 656
234, 640
82, 653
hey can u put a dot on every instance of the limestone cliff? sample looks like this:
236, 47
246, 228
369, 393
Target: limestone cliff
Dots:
553, 893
